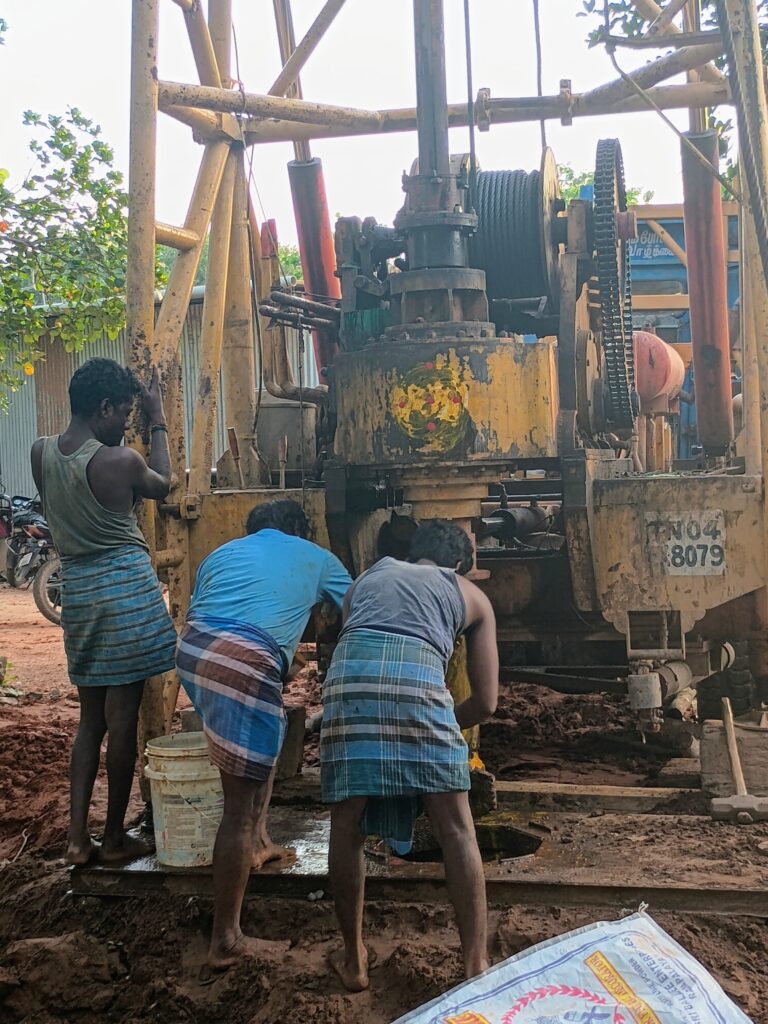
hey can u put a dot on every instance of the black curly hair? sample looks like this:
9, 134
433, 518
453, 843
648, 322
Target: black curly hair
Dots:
98, 379
444, 543
282, 514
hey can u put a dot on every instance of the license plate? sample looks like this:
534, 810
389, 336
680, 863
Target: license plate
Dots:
688, 543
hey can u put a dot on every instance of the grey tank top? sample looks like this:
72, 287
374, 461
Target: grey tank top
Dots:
423, 601
80, 525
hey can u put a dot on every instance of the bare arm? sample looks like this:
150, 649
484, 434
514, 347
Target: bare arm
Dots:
482, 658
155, 481
37, 464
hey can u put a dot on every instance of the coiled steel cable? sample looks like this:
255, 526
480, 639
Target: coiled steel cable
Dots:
508, 242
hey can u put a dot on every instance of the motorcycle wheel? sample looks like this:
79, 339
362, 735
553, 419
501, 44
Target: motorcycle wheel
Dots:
11, 563
47, 590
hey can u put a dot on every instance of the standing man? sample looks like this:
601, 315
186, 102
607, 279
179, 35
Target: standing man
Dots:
251, 604
117, 631
391, 741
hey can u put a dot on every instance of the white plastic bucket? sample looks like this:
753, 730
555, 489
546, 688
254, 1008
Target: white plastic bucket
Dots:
187, 799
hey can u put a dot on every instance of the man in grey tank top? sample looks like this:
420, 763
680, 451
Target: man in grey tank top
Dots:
117, 631
391, 742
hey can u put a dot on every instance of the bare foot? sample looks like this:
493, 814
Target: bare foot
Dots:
79, 853
125, 848
220, 958
271, 852
354, 976
473, 970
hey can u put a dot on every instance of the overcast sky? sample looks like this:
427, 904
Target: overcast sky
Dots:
78, 52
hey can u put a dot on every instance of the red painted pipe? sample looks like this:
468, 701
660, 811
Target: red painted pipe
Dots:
318, 256
708, 295
659, 370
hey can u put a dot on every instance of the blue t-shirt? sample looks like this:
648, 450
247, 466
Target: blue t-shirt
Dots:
270, 580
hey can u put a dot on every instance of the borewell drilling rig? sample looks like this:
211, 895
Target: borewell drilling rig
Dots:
479, 365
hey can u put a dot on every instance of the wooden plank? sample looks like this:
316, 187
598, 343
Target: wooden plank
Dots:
716, 778
680, 773
642, 302
674, 211
555, 796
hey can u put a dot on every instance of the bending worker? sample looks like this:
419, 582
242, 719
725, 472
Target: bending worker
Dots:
391, 740
250, 607
117, 631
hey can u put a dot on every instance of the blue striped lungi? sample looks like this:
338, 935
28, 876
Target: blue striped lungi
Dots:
233, 673
389, 730
117, 629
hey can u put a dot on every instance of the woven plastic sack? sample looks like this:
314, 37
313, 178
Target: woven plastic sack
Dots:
620, 972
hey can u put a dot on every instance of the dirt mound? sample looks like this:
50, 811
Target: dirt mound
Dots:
537, 733
85, 961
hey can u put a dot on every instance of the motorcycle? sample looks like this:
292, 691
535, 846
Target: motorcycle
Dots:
46, 589
28, 554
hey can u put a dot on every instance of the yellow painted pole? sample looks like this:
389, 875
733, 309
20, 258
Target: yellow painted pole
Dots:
220, 27
238, 362
201, 454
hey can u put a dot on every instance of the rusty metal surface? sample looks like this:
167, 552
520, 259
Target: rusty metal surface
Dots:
708, 291
452, 403
642, 522
223, 515
318, 258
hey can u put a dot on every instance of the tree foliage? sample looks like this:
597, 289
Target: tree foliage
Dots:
289, 261
624, 19
571, 183
63, 244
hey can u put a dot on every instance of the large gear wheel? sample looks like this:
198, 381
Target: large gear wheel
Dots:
614, 284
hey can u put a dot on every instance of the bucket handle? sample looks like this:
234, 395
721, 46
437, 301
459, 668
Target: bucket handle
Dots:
159, 777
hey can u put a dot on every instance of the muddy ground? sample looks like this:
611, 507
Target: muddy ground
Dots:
136, 960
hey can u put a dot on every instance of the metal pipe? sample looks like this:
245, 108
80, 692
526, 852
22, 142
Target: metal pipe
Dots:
173, 309
202, 45
220, 27
304, 50
651, 11
140, 271
278, 378
754, 329
708, 295
493, 110
226, 100
205, 124
201, 454
657, 71
286, 38
314, 308
175, 238
664, 20
238, 361
318, 255
295, 318
431, 90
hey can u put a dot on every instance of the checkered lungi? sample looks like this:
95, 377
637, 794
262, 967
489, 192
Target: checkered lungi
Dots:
233, 674
116, 626
389, 730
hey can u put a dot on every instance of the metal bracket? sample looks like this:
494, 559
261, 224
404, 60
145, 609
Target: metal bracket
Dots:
566, 97
190, 506
483, 110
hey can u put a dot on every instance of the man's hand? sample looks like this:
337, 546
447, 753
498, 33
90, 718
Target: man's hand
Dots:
152, 399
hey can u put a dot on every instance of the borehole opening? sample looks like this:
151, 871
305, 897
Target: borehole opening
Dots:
496, 841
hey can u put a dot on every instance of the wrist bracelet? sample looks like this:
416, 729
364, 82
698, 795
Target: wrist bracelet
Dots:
158, 426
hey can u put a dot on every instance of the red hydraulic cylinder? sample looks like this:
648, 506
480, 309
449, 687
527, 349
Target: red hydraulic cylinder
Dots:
318, 256
708, 295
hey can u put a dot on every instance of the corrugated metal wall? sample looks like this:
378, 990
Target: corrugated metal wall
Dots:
42, 405
18, 430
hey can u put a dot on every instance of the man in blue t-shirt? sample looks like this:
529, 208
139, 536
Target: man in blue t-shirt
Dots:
250, 607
